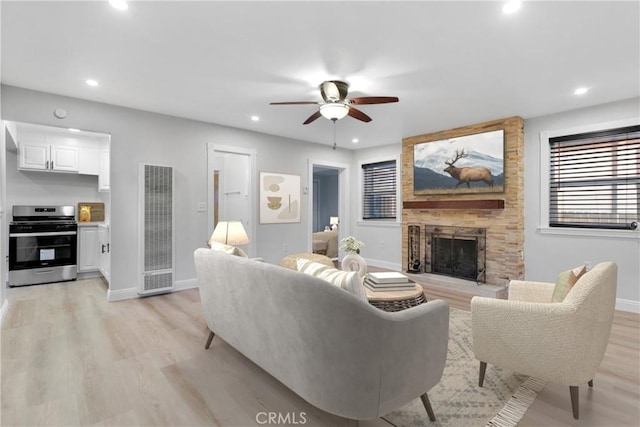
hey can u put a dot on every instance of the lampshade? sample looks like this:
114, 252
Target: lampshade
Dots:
333, 220
230, 233
334, 110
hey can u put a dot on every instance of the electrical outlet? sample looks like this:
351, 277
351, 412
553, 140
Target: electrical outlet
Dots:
202, 207
284, 248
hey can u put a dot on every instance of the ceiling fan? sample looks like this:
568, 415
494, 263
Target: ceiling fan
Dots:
336, 105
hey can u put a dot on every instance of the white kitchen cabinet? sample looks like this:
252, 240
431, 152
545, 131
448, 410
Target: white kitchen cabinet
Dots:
47, 157
105, 251
104, 176
88, 248
89, 161
34, 156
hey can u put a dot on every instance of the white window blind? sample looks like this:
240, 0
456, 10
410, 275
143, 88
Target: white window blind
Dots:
379, 190
595, 179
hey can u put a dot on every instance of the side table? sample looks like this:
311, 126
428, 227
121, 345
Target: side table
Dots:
396, 300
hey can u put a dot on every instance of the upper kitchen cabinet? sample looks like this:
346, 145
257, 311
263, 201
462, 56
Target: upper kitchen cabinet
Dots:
48, 157
51, 149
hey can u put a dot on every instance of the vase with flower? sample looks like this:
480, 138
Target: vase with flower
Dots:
352, 261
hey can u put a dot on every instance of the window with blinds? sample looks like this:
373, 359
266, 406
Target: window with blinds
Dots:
595, 179
379, 190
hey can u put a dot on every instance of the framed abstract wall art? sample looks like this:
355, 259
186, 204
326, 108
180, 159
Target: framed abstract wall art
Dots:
466, 164
279, 198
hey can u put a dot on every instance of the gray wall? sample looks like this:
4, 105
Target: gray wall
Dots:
139, 136
383, 240
546, 255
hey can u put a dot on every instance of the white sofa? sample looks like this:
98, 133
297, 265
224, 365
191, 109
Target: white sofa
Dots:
333, 349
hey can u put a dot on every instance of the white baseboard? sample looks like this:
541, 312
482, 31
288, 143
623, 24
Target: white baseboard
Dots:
130, 293
3, 310
121, 294
383, 264
182, 285
627, 305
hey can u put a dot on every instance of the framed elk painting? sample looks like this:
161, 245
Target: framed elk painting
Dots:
466, 164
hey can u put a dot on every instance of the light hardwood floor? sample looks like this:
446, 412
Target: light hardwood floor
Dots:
68, 357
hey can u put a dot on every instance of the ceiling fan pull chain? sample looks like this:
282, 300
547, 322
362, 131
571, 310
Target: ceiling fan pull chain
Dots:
334, 134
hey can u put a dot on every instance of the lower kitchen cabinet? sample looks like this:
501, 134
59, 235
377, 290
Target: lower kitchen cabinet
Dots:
88, 249
104, 240
94, 249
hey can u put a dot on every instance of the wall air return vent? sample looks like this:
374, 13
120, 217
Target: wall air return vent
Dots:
156, 229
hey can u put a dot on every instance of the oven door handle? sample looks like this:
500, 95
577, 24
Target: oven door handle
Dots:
44, 234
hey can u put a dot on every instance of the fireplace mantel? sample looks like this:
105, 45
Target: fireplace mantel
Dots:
492, 204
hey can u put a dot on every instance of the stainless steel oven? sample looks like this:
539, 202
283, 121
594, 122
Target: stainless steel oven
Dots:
43, 245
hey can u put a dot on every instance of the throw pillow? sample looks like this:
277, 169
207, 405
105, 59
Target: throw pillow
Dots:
565, 282
347, 280
228, 249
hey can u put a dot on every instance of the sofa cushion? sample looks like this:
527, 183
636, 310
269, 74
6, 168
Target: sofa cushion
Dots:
347, 280
228, 249
565, 282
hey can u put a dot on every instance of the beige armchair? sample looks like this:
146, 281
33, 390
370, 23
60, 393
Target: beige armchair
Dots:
561, 342
331, 239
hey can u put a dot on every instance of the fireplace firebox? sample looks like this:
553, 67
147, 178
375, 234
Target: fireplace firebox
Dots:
456, 252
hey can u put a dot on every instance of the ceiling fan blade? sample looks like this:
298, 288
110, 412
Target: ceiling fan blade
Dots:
312, 117
294, 103
373, 100
357, 114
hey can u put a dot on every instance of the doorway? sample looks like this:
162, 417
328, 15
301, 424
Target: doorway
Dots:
330, 183
230, 184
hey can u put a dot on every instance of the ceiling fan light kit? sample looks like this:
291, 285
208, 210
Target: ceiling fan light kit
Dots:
334, 111
335, 104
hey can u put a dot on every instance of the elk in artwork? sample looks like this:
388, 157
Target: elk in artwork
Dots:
465, 175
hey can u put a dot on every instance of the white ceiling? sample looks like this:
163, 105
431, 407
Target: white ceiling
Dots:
450, 63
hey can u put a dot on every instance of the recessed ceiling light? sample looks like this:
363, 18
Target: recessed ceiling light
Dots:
74, 130
511, 6
119, 4
92, 83
581, 91
355, 140
255, 118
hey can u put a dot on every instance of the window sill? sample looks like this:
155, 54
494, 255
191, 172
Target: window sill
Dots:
586, 232
389, 224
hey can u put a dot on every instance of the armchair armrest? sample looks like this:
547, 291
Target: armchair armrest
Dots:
521, 290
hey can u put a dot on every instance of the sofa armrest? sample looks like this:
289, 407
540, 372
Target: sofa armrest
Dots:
521, 290
414, 351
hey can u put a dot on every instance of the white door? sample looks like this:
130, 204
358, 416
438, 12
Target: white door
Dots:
231, 172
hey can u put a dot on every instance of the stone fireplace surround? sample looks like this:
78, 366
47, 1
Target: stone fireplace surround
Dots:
499, 215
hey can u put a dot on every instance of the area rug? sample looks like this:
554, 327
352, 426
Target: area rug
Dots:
458, 401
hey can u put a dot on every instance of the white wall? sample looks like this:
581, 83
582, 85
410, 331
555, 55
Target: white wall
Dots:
139, 136
47, 188
4, 305
383, 240
548, 254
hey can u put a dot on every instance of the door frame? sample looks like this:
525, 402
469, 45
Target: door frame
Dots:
212, 148
343, 204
